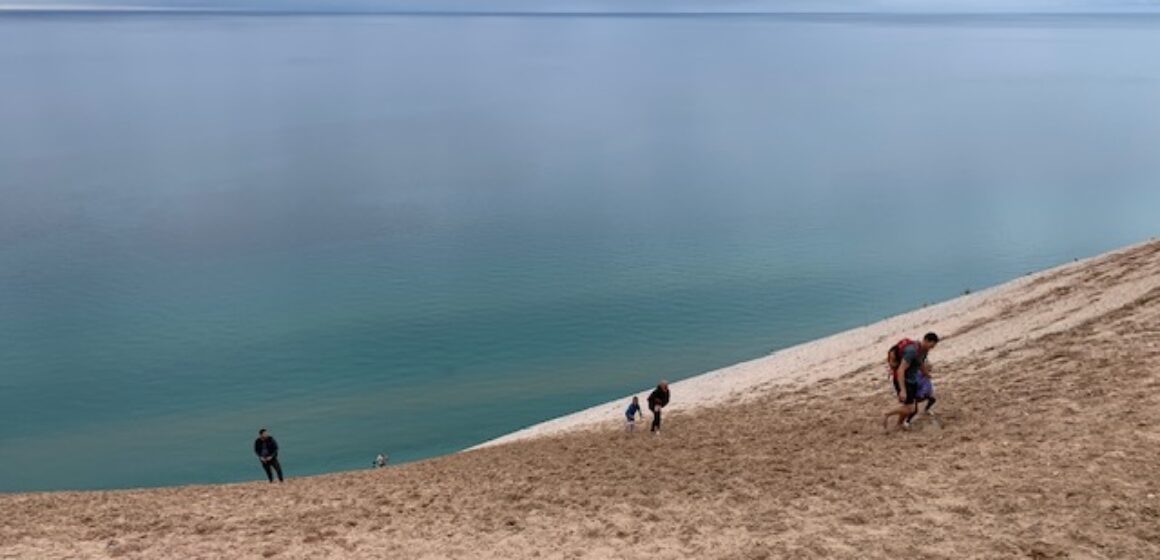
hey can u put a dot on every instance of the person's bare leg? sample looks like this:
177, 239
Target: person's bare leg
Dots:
930, 413
906, 413
886, 419
901, 412
909, 418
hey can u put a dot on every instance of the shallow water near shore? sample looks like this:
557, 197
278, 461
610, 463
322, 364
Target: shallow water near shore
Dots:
417, 234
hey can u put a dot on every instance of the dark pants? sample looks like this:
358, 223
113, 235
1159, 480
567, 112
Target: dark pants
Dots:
656, 425
272, 463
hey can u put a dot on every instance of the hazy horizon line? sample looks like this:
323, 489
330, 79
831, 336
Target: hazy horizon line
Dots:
194, 10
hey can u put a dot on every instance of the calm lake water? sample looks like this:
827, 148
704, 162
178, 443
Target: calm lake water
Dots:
414, 234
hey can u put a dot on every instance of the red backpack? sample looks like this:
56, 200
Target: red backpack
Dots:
894, 355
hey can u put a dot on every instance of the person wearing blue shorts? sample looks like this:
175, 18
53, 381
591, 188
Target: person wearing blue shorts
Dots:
925, 393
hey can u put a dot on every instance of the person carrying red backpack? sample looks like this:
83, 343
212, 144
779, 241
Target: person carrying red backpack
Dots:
906, 360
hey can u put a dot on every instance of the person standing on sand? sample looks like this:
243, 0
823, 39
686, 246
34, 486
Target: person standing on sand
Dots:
266, 448
912, 358
657, 400
631, 414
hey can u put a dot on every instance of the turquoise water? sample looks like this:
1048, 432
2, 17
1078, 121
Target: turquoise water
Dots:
414, 234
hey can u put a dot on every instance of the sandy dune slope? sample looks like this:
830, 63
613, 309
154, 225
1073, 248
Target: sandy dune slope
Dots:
1049, 389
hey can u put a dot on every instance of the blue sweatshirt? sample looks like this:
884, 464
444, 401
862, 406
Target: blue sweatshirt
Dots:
633, 410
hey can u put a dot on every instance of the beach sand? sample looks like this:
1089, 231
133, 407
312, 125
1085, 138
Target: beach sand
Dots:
1049, 391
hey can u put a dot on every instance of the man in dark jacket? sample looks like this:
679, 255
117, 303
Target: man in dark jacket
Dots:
657, 400
267, 451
